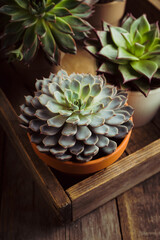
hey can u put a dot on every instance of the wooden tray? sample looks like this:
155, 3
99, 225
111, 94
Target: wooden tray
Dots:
72, 197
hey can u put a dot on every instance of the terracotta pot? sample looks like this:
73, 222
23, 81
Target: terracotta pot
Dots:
83, 168
145, 107
110, 12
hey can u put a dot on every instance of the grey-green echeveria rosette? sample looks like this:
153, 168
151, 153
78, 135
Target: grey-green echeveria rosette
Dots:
132, 52
75, 117
49, 24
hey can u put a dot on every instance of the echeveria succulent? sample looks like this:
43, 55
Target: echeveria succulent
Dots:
51, 24
133, 50
75, 117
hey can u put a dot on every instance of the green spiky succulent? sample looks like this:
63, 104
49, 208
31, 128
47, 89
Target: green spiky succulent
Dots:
133, 50
50, 24
75, 117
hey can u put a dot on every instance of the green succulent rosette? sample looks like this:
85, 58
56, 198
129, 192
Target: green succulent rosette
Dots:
133, 50
76, 117
49, 24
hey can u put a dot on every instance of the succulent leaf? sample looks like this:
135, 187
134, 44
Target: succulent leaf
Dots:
69, 129
92, 140
112, 131
102, 141
63, 157
83, 133
67, 141
77, 148
91, 150
145, 67
57, 150
75, 117
49, 141
36, 138
56, 121
110, 148
47, 130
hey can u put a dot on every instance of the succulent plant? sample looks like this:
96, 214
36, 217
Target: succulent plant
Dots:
50, 24
75, 117
133, 50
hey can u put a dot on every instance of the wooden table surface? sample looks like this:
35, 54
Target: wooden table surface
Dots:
24, 215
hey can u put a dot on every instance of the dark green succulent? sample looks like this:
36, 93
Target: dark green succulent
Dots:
133, 50
50, 24
75, 117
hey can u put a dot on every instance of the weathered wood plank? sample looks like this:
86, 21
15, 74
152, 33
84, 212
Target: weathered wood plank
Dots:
17, 197
2, 143
114, 180
101, 224
139, 208
52, 190
24, 213
143, 136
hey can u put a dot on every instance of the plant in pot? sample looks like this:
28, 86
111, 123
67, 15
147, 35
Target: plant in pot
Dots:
77, 124
110, 11
130, 57
42, 30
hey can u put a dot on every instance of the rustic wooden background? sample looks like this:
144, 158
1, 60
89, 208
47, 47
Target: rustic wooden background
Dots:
134, 215
24, 215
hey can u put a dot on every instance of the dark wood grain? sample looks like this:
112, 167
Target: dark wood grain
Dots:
143, 136
2, 147
114, 180
139, 208
52, 190
101, 224
25, 214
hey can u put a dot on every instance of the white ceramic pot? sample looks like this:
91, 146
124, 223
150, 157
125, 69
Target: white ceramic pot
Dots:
110, 12
145, 107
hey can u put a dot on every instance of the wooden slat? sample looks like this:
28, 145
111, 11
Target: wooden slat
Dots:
2, 140
139, 211
51, 189
101, 224
139, 208
116, 179
24, 213
143, 136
